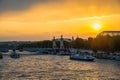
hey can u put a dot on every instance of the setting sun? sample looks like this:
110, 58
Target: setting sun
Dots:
42, 19
96, 26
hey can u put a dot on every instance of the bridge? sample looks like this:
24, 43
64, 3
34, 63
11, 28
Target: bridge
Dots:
110, 33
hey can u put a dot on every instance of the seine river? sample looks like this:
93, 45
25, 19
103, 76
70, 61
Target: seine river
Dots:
52, 67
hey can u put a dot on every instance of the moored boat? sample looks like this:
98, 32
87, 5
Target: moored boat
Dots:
1, 56
117, 57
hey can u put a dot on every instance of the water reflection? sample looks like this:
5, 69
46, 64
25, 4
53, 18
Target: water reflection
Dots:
51, 67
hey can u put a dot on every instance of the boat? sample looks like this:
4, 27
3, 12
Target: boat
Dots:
14, 54
1, 56
82, 57
117, 57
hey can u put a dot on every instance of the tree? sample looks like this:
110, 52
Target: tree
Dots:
78, 43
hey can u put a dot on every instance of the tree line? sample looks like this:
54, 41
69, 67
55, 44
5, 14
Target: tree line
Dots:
103, 43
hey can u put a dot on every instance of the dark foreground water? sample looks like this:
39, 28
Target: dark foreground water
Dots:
51, 67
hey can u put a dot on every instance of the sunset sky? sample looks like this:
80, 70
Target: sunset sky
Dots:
43, 19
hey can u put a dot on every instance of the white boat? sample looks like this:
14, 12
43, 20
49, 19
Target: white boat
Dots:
14, 54
82, 57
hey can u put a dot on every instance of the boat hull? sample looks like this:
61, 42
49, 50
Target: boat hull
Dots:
81, 59
15, 56
1, 57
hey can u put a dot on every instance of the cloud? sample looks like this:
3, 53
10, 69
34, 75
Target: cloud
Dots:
18, 5
32, 18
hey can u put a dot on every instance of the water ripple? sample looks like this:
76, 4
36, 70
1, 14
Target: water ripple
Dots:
51, 67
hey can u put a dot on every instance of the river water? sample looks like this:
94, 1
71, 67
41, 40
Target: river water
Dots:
52, 67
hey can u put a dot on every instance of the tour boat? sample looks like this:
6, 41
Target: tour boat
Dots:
14, 55
82, 57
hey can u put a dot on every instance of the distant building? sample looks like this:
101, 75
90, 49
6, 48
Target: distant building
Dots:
110, 33
15, 42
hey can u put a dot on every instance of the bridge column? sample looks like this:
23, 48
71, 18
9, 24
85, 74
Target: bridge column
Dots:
61, 43
54, 43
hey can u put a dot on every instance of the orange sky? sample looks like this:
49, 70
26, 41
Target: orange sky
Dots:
43, 20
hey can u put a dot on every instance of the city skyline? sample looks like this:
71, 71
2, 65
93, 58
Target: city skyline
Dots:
43, 19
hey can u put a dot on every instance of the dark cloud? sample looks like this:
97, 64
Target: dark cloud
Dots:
16, 5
